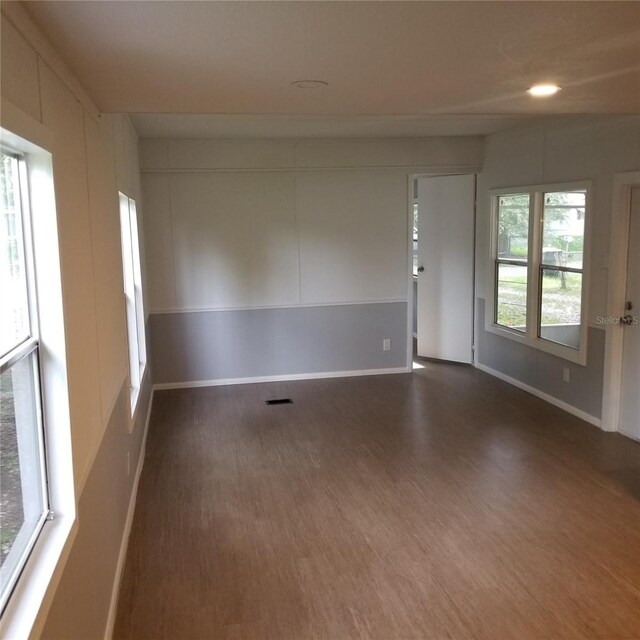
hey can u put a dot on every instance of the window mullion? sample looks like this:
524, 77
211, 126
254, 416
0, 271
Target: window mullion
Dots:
493, 251
17, 353
535, 253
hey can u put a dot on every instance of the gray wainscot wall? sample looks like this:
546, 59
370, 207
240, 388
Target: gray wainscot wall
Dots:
224, 345
543, 371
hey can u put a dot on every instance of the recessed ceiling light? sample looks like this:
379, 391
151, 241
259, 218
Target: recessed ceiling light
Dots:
543, 90
309, 84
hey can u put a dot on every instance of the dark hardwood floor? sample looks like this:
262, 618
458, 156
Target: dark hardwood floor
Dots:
443, 504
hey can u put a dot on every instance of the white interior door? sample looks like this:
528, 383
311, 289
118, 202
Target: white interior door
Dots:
630, 398
446, 223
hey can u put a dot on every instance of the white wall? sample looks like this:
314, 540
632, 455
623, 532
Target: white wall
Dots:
352, 234
94, 157
283, 223
563, 150
305, 240
231, 240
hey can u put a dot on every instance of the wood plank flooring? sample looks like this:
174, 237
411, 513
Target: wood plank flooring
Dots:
443, 504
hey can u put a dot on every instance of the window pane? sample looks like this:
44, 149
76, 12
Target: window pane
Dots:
129, 289
513, 227
133, 292
137, 278
511, 306
563, 229
14, 315
560, 308
22, 501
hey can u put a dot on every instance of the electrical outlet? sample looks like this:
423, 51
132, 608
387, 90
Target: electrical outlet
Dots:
566, 374
386, 344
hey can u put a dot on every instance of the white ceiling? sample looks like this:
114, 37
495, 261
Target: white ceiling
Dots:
406, 66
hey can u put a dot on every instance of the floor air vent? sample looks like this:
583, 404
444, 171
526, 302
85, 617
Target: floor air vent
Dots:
280, 401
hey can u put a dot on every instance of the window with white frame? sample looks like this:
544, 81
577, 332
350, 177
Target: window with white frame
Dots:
24, 501
133, 294
539, 243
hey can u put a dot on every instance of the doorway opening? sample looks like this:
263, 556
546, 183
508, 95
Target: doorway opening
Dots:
442, 223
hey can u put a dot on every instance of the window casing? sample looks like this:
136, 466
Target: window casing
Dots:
32, 145
539, 265
24, 499
134, 303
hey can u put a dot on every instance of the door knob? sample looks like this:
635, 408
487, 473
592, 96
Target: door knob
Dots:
628, 319
420, 269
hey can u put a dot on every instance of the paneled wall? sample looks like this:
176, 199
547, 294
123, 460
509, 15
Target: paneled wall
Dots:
242, 240
94, 157
563, 150
234, 228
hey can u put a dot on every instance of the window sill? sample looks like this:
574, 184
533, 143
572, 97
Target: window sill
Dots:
577, 356
135, 393
26, 610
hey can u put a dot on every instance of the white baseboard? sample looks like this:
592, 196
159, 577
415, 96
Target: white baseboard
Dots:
219, 382
583, 415
628, 435
124, 544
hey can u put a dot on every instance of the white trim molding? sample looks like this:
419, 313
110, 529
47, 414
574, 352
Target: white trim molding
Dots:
583, 415
616, 288
412, 169
411, 278
296, 305
220, 382
533, 264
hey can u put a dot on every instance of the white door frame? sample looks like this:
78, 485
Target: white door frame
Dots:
617, 285
411, 178
410, 186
